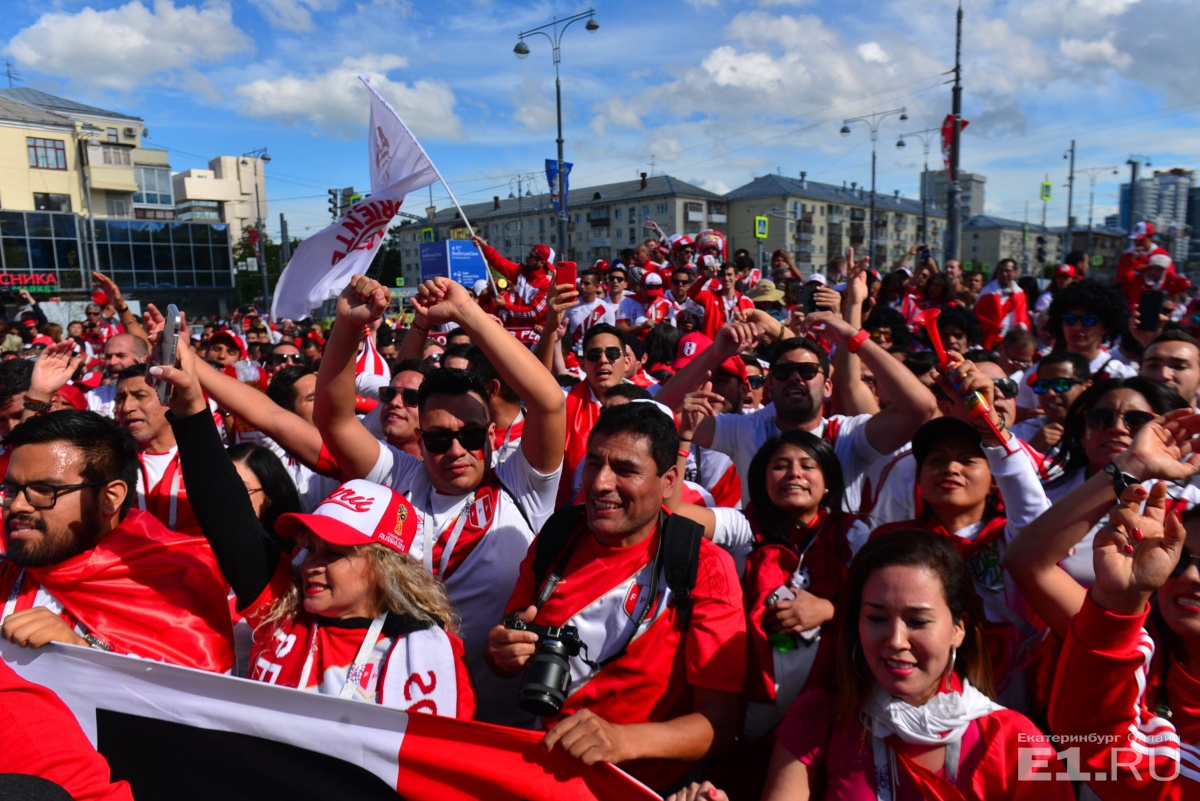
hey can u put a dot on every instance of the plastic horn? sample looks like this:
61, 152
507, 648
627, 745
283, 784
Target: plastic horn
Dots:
977, 405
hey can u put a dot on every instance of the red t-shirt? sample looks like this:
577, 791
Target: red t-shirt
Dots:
655, 679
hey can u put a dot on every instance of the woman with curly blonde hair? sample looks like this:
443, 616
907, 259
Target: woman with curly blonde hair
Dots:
355, 617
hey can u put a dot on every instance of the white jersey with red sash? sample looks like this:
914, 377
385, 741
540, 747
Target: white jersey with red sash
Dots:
506, 441
582, 317
475, 543
160, 491
392, 661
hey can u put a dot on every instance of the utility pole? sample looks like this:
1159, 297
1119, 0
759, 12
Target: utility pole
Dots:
1135, 163
952, 194
1070, 196
1025, 242
285, 245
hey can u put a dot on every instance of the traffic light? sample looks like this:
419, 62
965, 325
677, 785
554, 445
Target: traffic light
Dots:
333, 204
1041, 249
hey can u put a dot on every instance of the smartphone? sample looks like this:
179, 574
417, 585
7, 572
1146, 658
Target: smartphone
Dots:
925, 255
1150, 305
565, 272
167, 351
808, 298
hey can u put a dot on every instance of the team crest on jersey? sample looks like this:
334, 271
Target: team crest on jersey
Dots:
633, 600
480, 513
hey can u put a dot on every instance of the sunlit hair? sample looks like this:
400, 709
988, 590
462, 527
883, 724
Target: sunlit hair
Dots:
909, 547
401, 586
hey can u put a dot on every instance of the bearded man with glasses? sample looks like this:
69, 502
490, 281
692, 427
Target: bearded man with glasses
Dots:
84, 567
475, 522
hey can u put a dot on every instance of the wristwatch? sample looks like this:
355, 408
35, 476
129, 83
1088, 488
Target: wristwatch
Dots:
1121, 481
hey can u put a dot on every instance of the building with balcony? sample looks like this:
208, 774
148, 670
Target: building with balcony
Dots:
78, 192
818, 221
602, 220
1162, 199
233, 187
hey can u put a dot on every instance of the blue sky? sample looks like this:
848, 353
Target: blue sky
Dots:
713, 92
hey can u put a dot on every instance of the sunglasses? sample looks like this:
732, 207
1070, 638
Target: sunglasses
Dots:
433, 358
880, 335
681, 282
1044, 385
807, 370
285, 358
616, 279
612, 353
407, 396
1086, 320
1006, 387
472, 439
1107, 418
757, 381
1186, 560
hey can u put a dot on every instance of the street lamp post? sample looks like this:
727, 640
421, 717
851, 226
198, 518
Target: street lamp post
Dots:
521, 194
926, 136
522, 50
91, 134
873, 120
260, 155
1091, 173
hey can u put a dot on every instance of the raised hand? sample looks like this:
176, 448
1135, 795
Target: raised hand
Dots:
188, 397
1165, 448
53, 369
363, 301
441, 300
1135, 553
696, 406
108, 287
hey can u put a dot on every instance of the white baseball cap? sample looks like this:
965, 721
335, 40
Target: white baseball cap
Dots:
357, 513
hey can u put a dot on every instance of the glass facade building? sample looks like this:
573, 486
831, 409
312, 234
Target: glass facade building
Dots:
137, 254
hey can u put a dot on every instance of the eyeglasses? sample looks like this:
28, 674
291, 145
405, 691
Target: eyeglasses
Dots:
1044, 385
756, 381
1186, 560
277, 359
472, 439
1086, 320
612, 353
1107, 418
407, 396
807, 370
93, 314
40, 496
616, 279
1006, 387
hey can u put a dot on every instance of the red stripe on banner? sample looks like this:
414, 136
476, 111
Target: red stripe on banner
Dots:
442, 759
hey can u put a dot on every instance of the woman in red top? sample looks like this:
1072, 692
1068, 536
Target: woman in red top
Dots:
912, 717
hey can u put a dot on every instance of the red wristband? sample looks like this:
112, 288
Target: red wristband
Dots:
855, 342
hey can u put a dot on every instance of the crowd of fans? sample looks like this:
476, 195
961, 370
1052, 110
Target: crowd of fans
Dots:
882, 531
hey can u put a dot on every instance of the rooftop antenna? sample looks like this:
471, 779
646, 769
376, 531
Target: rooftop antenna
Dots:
652, 162
10, 72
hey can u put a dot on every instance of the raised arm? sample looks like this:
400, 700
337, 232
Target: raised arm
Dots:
128, 318
544, 439
354, 447
561, 298
293, 433
912, 404
850, 395
1032, 557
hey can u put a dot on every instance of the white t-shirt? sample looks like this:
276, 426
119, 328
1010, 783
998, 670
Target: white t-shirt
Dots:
481, 586
631, 311
103, 400
741, 435
582, 317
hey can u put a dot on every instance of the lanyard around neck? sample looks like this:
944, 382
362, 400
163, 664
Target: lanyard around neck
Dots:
429, 539
355, 671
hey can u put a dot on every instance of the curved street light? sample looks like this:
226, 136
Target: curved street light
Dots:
557, 28
873, 120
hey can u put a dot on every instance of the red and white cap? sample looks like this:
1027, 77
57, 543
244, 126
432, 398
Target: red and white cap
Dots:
693, 344
1157, 260
543, 252
680, 241
230, 339
1067, 269
357, 513
1141, 231
652, 279
818, 278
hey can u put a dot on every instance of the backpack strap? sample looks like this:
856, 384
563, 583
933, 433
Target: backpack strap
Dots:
549, 543
681, 559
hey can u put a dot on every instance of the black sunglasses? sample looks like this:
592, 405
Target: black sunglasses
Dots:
807, 370
756, 381
285, 358
472, 439
1006, 387
433, 358
1107, 418
612, 279
407, 396
1044, 385
1186, 559
1086, 320
612, 353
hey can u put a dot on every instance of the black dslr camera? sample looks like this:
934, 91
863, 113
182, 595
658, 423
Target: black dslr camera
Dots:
547, 674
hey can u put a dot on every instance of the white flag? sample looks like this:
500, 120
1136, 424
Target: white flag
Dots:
322, 265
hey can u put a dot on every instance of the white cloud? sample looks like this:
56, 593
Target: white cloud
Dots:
125, 47
1097, 53
873, 53
335, 101
292, 15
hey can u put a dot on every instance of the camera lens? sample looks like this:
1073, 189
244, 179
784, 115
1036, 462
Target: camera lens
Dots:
546, 678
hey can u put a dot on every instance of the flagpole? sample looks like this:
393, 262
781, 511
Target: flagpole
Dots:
438, 173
